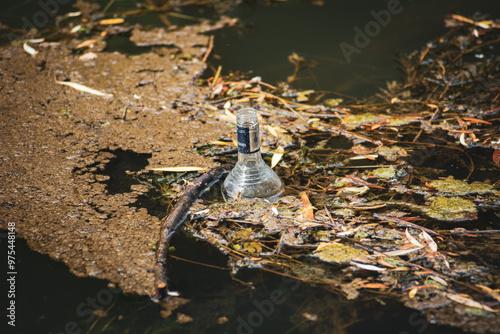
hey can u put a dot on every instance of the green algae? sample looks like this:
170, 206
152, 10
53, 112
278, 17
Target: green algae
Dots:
354, 121
391, 153
386, 173
451, 209
459, 188
337, 253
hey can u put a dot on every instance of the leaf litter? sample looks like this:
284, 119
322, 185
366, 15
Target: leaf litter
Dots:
389, 202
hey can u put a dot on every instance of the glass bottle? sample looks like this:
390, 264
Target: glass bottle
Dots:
250, 177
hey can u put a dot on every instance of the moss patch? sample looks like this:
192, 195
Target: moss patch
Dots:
451, 209
337, 253
459, 187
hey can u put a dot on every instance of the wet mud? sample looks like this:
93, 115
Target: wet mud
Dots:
57, 141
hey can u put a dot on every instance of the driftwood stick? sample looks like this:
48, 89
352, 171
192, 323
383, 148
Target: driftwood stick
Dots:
172, 221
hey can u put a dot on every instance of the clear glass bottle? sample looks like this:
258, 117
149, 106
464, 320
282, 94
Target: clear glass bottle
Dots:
251, 177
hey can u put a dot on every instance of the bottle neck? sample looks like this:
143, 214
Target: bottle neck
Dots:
249, 160
247, 129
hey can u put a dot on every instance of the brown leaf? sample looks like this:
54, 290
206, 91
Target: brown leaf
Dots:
307, 208
496, 157
475, 120
468, 302
374, 286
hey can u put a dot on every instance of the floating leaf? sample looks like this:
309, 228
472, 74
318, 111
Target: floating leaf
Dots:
475, 120
367, 266
496, 157
439, 280
430, 242
412, 239
220, 143
278, 154
29, 49
304, 95
337, 253
88, 56
272, 130
112, 21
307, 208
75, 29
462, 139
374, 286
83, 88
468, 302
179, 169
402, 251
87, 43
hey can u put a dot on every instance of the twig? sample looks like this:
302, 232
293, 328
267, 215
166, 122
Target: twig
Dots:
172, 221
209, 49
464, 231
404, 223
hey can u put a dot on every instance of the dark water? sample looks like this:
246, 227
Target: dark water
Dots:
52, 300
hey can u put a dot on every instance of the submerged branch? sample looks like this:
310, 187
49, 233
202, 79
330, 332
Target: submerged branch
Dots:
172, 221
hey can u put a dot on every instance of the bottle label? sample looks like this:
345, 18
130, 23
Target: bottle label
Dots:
248, 139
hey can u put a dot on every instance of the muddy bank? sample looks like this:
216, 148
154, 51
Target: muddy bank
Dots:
57, 141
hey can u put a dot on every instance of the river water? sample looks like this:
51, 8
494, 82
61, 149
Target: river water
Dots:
52, 300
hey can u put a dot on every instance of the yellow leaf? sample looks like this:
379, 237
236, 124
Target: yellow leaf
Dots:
87, 43
304, 95
179, 169
374, 286
220, 143
83, 88
412, 292
112, 21
272, 130
278, 154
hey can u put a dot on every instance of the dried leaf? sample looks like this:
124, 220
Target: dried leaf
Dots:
29, 49
374, 286
430, 242
468, 302
412, 292
402, 251
275, 211
278, 154
220, 143
83, 88
272, 130
88, 56
307, 208
462, 139
112, 21
475, 120
367, 266
496, 157
439, 280
86, 43
75, 29
179, 169
412, 239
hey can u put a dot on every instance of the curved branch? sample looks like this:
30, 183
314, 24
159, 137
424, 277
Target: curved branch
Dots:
172, 221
